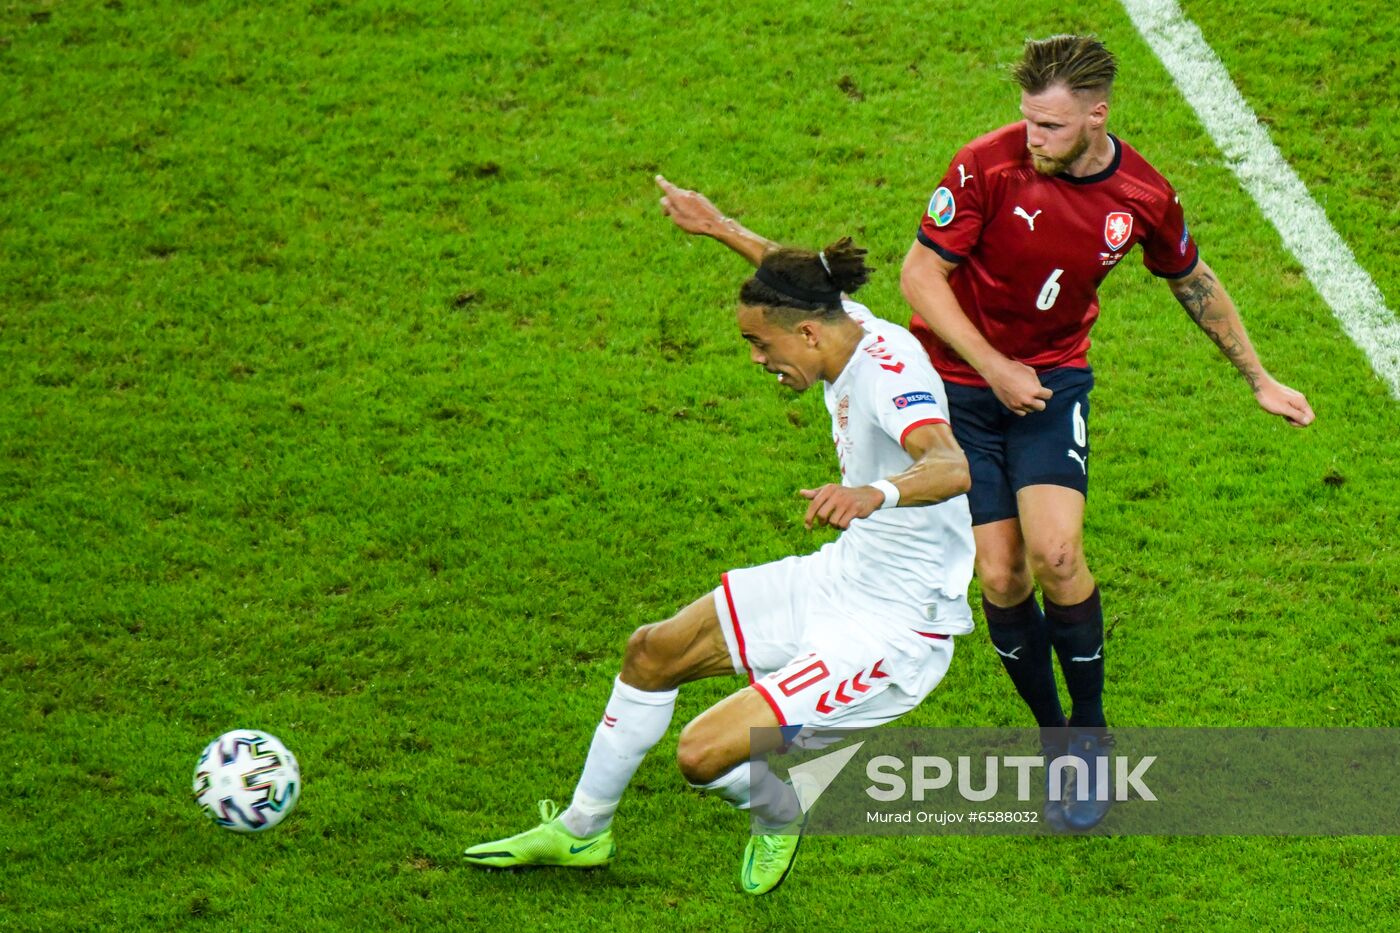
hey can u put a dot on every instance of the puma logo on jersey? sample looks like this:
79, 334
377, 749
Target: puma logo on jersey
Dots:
1028, 218
1082, 465
963, 176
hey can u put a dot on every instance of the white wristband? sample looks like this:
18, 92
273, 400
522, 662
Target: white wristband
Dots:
890, 490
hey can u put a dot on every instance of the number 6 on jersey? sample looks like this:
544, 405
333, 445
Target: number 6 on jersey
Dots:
1049, 291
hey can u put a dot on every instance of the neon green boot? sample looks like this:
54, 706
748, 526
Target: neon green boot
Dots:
549, 843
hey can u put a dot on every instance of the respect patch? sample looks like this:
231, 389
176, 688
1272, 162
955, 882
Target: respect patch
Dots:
914, 398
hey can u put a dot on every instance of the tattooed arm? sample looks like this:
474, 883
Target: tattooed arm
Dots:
1209, 305
1206, 301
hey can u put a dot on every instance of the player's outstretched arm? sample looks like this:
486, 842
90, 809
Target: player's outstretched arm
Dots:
924, 281
693, 213
939, 472
1211, 307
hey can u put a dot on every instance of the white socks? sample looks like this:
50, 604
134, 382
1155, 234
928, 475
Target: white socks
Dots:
633, 722
751, 786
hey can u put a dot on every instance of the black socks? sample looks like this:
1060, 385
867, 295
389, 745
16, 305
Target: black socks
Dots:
1021, 636
1077, 634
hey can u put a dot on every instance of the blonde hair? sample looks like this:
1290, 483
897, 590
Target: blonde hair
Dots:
1081, 63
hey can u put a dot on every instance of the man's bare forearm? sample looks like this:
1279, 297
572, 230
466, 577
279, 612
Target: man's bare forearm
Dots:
930, 296
1209, 305
939, 475
741, 239
695, 214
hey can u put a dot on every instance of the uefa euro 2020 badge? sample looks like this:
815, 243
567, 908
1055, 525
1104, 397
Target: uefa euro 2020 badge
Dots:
942, 207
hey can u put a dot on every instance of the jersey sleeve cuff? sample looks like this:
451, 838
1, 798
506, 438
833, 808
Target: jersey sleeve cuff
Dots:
945, 253
1191, 267
918, 424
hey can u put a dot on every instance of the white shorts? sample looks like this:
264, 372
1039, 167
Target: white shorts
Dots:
821, 657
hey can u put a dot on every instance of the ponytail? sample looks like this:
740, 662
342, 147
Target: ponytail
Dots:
806, 281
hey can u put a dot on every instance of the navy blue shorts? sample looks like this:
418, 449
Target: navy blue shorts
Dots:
1006, 452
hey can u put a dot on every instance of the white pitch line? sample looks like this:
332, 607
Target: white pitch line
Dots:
1328, 262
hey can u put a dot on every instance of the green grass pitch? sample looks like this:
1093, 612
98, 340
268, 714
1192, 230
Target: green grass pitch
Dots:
355, 389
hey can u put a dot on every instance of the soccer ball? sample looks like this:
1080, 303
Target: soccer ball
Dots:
247, 781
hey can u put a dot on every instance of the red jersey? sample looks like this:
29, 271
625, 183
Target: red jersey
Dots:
1032, 249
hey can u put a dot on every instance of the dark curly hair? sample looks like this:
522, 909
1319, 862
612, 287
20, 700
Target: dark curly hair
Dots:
810, 283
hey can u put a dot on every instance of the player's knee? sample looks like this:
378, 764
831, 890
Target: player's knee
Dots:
1058, 565
697, 758
645, 664
1006, 584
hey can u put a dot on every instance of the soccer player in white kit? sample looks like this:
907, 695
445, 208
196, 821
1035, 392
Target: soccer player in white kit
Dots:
853, 635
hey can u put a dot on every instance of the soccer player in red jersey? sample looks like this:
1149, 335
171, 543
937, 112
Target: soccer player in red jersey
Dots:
1003, 279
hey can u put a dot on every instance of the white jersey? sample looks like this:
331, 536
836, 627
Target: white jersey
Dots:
914, 557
